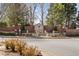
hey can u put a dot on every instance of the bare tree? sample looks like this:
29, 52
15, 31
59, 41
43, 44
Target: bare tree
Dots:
43, 10
32, 8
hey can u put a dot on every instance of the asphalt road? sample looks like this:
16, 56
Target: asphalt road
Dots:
56, 47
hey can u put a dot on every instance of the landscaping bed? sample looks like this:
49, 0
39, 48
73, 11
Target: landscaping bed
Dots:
17, 47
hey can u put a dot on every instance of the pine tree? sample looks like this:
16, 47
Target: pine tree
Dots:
60, 13
70, 11
56, 15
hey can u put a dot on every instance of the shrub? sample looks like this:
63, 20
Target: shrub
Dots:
7, 44
3, 24
7, 33
20, 46
31, 51
11, 44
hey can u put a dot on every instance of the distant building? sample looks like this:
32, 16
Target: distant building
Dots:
29, 28
39, 28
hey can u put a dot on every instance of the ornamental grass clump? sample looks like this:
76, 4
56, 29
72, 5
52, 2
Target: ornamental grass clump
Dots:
10, 44
7, 44
22, 47
31, 51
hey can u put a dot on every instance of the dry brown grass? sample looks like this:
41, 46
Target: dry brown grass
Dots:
11, 44
7, 44
22, 48
31, 51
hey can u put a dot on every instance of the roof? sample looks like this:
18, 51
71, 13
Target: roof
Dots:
38, 24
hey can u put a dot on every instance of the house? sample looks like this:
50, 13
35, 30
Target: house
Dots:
38, 28
30, 28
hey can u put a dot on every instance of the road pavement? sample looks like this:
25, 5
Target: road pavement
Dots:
56, 47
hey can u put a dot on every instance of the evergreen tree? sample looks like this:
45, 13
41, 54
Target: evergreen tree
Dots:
59, 13
70, 11
78, 16
56, 14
